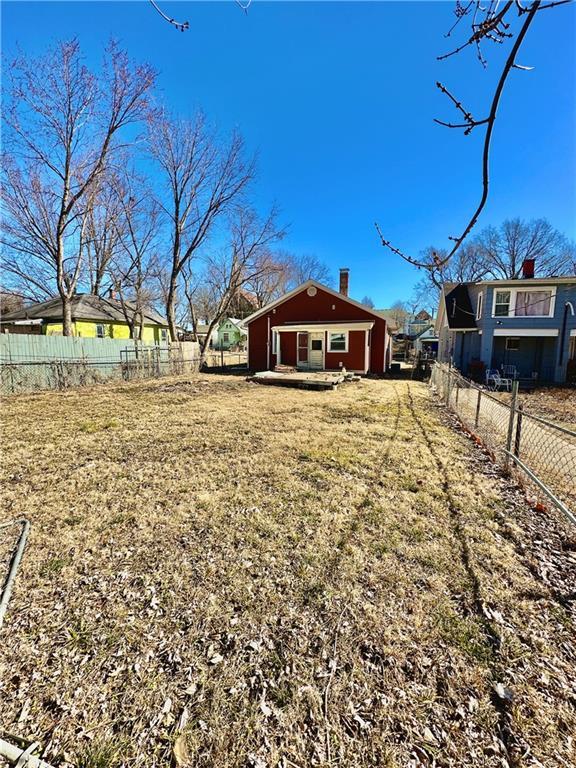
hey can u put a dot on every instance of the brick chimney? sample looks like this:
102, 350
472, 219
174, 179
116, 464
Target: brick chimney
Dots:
528, 268
344, 274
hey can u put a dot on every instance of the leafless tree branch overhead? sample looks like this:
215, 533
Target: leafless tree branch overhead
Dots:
488, 24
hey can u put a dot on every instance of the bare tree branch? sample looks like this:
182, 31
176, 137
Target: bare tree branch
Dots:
490, 121
181, 26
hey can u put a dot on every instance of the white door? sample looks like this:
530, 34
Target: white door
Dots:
316, 350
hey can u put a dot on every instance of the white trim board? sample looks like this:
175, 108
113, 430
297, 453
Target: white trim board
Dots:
526, 332
342, 326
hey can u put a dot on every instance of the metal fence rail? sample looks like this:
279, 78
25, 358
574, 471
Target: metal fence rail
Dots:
27, 376
543, 453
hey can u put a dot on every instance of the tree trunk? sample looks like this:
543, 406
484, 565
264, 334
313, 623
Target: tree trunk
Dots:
203, 345
67, 329
171, 308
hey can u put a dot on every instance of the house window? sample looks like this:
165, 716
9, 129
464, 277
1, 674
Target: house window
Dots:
99, 331
338, 342
317, 345
533, 303
479, 306
512, 343
225, 338
518, 302
502, 304
164, 335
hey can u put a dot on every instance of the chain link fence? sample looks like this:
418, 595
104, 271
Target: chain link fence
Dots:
541, 453
26, 376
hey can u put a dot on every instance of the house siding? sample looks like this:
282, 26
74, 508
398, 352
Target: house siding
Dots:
536, 353
323, 307
86, 329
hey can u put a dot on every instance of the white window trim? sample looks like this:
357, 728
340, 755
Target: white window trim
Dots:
479, 305
338, 333
512, 306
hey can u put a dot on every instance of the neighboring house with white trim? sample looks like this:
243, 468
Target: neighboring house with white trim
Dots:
232, 333
426, 342
316, 328
527, 324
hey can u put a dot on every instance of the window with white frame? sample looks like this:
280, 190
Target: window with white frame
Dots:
479, 306
99, 331
338, 341
164, 335
519, 302
533, 303
226, 337
502, 303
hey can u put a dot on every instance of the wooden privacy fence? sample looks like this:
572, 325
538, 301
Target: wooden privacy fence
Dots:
543, 453
34, 363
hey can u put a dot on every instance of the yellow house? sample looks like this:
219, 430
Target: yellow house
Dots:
92, 317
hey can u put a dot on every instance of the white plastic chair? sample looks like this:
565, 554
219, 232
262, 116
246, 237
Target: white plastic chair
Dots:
495, 382
510, 371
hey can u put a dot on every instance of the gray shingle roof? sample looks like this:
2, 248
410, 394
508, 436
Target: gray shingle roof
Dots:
85, 306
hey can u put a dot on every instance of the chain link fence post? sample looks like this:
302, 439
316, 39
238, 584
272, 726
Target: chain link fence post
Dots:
511, 422
518, 431
478, 403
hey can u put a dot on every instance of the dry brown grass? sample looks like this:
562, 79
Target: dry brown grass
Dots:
272, 577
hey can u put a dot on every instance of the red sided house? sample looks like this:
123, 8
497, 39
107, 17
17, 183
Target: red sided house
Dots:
316, 328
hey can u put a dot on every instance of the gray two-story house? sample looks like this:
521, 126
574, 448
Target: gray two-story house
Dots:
526, 325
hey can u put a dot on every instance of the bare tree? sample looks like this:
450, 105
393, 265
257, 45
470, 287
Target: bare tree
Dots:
239, 264
504, 249
271, 280
63, 124
103, 221
399, 312
498, 252
306, 266
490, 23
368, 302
134, 267
204, 180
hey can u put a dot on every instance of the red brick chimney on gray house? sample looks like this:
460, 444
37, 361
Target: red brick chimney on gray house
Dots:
528, 268
344, 275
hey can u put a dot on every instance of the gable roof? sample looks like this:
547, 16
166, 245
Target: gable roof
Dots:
239, 324
424, 331
85, 306
458, 307
303, 287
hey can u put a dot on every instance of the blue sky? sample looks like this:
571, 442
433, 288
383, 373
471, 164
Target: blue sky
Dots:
338, 100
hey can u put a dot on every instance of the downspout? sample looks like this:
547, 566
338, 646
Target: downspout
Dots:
568, 306
268, 346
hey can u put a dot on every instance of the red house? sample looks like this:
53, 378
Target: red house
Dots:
316, 328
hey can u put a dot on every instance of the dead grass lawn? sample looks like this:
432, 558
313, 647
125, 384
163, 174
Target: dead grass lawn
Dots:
229, 575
